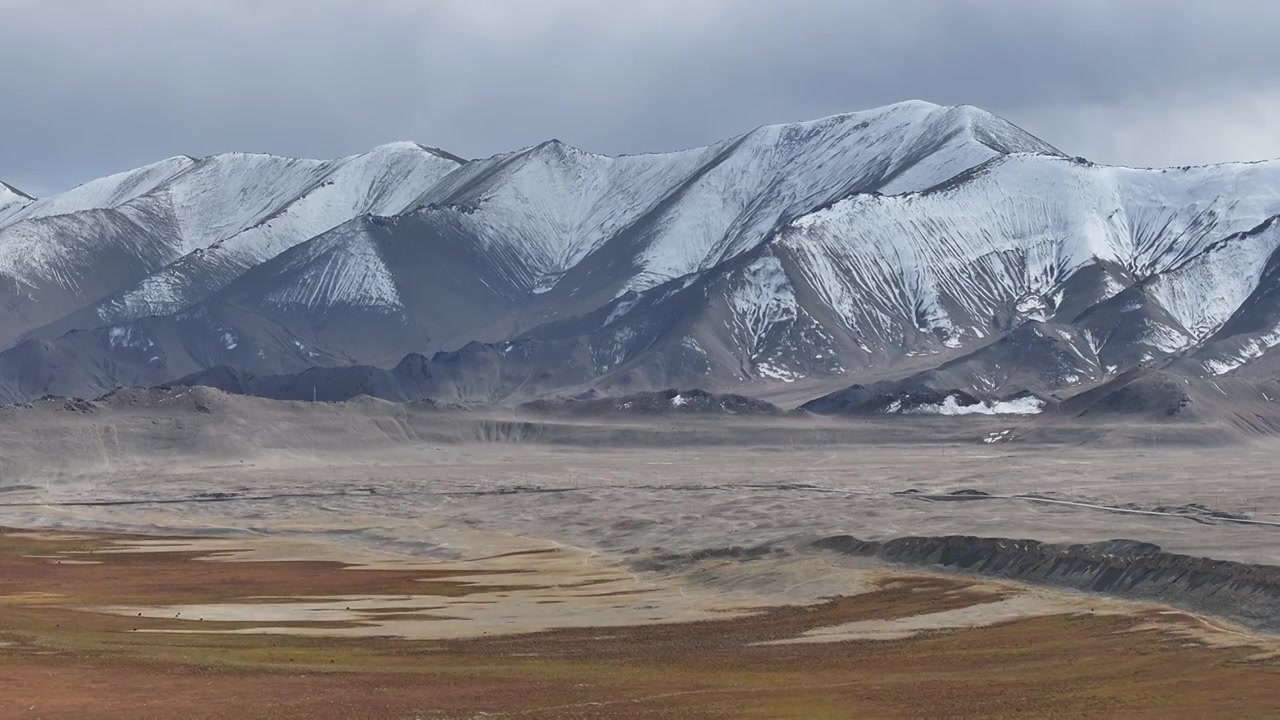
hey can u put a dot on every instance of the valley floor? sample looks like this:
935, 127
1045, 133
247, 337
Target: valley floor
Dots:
223, 557
108, 626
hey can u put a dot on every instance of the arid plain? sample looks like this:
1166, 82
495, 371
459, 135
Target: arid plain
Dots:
188, 553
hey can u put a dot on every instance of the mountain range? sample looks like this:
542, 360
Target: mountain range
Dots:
870, 258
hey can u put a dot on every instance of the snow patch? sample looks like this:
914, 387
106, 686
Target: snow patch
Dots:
1164, 338
124, 336
998, 436
622, 307
762, 300
951, 406
1249, 350
693, 345
774, 372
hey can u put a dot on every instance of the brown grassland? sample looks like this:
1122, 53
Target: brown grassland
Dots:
60, 660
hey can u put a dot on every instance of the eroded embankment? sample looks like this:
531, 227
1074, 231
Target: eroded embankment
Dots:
1247, 594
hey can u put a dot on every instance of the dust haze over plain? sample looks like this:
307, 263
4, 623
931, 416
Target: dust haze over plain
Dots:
94, 88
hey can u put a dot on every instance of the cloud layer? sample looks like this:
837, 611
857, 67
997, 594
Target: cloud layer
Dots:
91, 88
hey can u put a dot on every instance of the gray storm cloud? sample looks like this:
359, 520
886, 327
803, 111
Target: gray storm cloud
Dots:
91, 88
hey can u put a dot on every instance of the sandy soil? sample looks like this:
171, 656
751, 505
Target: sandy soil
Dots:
682, 499
373, 474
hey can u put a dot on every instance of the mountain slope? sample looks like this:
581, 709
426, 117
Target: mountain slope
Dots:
381, 182
52, 265
53, 252
151, 351
157, 239
569, 215
1253, 329
105, 193
876, 282
1150, 323
1004, 242
553, 232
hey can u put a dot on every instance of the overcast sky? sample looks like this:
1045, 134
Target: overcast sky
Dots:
91, 87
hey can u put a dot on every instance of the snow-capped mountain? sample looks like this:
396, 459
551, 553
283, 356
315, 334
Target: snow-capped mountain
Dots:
564, 212
59, 253
1031, 237
1029, 272
939, 245
266, 205
554, 232
575, 229
105, 193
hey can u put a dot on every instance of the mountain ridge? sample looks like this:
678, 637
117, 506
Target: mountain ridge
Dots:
913, 235
12, 200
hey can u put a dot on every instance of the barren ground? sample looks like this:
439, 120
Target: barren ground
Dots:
371, 560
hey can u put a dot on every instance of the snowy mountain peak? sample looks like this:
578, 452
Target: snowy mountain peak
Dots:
107, 192
12, 200
925, 119
397, 146
552, 205
402, 146
160, 238
907, 111
999, 134
306, 198
559, 149
915, 104
9, 193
